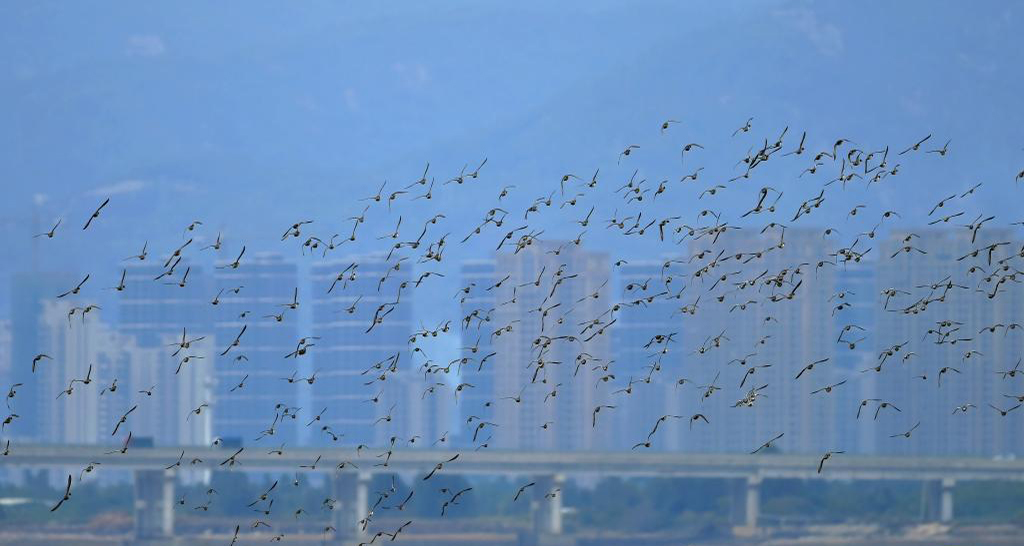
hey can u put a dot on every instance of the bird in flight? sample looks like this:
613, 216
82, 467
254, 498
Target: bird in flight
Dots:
66, 497
828, 455
522, 490
908, 432
51, 233
769, 443
439, 466
35, 360
95, 214
917, 145
74, 291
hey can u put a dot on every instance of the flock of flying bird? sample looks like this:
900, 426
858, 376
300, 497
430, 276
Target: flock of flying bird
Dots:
426, 245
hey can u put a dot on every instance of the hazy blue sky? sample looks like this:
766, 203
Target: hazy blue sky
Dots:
235, 112
251, 116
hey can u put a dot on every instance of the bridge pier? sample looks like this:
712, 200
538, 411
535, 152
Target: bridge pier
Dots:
351, 490
937, 500
946, 500
929, 500
746, 505
547, 509
154, 505
737, 502
752, 502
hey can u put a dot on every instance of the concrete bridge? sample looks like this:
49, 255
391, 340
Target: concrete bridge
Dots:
154, 486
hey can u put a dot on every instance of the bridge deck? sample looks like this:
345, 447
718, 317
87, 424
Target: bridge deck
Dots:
853, 467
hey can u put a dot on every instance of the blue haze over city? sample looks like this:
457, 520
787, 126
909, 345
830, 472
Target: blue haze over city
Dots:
618, 273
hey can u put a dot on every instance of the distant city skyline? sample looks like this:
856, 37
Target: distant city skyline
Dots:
647, 378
